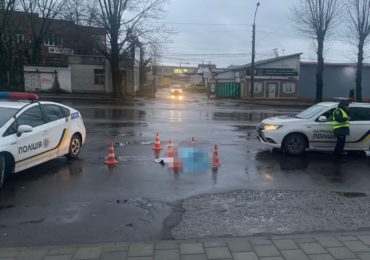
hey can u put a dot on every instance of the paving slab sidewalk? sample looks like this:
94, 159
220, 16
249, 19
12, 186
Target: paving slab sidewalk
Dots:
318, 246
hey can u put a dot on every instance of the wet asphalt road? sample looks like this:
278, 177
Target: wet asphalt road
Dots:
82, 201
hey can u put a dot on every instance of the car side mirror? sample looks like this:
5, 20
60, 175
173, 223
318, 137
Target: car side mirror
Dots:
24, 129
323, 119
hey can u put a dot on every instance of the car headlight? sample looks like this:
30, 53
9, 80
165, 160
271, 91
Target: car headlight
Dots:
271, 127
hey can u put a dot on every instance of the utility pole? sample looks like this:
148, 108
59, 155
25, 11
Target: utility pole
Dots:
154, 69
253, 51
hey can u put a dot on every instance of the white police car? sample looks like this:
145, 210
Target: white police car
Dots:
35, 132
313, 129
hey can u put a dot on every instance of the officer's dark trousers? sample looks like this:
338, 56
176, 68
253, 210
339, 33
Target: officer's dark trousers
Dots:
339, 147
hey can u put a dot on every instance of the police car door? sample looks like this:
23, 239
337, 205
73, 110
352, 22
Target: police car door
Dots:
359, 128
33, 143
321, 133
57, 127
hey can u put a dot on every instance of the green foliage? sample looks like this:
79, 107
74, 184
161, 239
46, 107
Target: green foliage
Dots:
197, 88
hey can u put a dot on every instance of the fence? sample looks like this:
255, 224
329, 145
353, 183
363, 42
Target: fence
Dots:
228, 90
11, 81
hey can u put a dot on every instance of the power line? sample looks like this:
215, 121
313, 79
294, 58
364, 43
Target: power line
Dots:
209, 24
218, 24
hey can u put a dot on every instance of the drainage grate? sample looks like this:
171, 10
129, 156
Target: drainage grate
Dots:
351, 194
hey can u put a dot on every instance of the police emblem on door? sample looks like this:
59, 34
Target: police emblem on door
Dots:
45, 143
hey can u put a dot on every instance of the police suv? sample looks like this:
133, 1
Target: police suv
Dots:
313, 129
35, 132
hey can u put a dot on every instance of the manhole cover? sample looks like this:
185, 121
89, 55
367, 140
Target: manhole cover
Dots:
351, 194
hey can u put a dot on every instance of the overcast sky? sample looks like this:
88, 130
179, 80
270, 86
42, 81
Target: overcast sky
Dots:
220, 31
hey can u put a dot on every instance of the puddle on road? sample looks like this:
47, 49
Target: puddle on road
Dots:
150, 207
34, 221
351, 194
244, 127
169, 214
243, 116
114, 114
120, 124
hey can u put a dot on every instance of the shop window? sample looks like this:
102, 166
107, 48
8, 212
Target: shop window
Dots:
257, 87
99, 77
289, 87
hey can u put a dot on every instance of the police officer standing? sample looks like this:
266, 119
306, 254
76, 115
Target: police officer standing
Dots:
341, 127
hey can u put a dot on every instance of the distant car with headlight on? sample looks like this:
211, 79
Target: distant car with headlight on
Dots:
33, 132
176, 92
313, 129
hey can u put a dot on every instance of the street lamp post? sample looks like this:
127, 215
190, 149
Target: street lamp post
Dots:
253, 51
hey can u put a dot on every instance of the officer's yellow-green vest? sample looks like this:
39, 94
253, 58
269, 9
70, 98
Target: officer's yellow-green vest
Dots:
337, 124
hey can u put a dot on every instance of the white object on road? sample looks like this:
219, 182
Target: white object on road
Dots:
164, 159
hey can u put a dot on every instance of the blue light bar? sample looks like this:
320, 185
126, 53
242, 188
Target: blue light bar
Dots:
19, 96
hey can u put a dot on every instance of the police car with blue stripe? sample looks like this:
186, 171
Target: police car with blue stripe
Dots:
313, 129
33, 132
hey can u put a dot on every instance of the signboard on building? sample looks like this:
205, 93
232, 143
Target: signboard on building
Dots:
59, 50
274, 72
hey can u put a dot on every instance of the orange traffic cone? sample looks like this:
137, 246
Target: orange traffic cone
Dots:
216, 160
170, 152
157, 146
111, 157
177, 165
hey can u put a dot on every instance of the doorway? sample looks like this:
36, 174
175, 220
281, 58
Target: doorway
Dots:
271, 90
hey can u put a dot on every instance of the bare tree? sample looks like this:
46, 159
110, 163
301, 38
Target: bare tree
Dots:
6, 10
41, 14
359, 25
125, 21
76, 11
316, 19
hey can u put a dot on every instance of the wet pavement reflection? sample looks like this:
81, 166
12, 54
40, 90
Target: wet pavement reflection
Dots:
85, 201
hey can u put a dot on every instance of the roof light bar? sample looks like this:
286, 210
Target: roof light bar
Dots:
19, 95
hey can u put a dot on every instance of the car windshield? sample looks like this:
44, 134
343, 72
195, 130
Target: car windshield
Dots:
6, 114
311, 112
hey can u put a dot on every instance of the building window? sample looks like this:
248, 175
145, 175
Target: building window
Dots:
53, 40
289, 87
99, 77
19, 37
257, 87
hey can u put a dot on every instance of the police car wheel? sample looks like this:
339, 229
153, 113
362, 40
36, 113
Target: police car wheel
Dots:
2, 170
74, 147
294, 144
